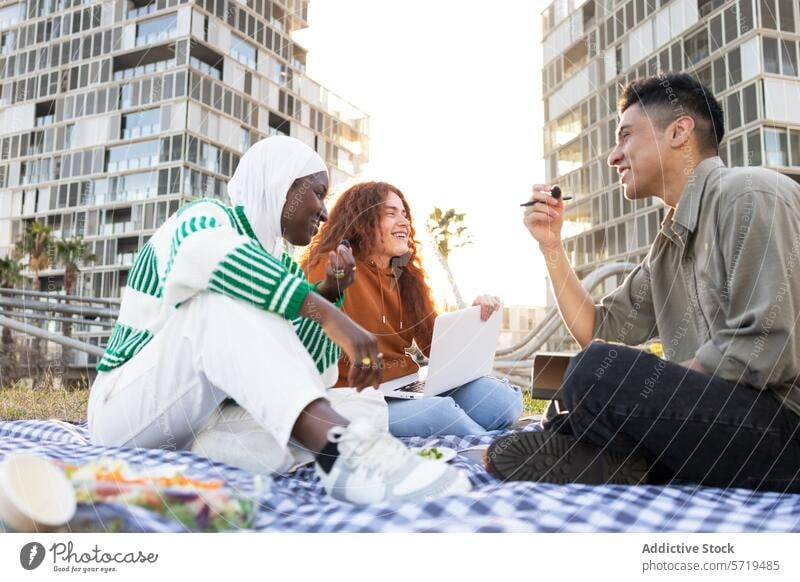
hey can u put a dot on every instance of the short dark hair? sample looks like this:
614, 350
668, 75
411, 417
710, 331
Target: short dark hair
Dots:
678, 94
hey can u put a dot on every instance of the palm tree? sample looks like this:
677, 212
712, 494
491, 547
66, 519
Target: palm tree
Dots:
449, 233
36, 243
10, 277
70, 252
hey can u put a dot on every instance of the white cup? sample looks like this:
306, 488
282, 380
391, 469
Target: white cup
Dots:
35, 495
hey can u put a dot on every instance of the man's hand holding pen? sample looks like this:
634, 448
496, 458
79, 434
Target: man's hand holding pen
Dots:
544, 215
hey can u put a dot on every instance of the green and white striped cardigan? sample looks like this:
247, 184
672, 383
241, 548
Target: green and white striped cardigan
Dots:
207, 246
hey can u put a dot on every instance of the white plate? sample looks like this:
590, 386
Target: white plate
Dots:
448, 454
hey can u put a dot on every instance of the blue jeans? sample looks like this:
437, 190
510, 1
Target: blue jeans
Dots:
474, 408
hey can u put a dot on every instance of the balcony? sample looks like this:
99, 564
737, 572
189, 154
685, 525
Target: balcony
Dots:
44, 120
205, 68
124, 259
140, 131
156, 37
147, 69
142, 11
132, 164
273, 131
125, 196
157, 29
111, 228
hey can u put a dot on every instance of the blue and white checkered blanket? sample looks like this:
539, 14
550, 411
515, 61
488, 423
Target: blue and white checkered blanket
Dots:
298, 504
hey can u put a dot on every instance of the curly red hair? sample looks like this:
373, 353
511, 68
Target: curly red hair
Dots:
356, 216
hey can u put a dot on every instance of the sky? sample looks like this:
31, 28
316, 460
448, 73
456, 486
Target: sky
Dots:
453, 90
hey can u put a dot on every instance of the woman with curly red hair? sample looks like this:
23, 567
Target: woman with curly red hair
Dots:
391, 298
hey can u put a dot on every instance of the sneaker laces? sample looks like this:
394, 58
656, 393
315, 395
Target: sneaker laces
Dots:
363, 445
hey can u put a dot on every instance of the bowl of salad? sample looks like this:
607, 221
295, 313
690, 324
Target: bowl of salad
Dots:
201, 505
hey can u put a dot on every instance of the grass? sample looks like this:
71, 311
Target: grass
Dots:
19, 402
531, 406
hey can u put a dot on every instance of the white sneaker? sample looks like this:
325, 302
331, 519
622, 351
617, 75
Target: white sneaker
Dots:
373, 466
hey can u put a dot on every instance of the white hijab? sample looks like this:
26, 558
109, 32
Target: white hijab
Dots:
262, 180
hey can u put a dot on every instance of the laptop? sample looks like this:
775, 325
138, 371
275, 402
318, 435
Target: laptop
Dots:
462, 350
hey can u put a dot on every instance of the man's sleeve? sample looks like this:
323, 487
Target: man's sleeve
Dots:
626, 315
757, 345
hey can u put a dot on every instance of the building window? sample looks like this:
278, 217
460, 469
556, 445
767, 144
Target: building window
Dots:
132, 156
769, 17
696, 46
720, 77
45, 113
205, 155
734, 110
69, 134
125, 95
12, 15
705, 7
786, 15
754, 148
243, 51
771, 58
283, 75
789, 57
737, 152
746, 19
716, 33
794, 143
735, 65
205, 68
139, 186
139, 70
8, 41
750, 103
141, 123
135, 11
775, 147
156, 29
244, 139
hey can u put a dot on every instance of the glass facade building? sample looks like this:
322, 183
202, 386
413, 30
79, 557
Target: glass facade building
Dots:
114, 113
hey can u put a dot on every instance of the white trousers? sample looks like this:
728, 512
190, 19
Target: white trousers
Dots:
214, 347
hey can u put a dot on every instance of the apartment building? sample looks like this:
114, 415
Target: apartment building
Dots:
114, 113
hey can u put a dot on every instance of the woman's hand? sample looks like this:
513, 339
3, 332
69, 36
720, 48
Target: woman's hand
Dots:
340, 272
361, 347
489, 304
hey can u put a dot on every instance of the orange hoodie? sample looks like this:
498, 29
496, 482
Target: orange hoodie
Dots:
374, 302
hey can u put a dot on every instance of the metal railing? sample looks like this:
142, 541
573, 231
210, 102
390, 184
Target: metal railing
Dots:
17, 307
516, 361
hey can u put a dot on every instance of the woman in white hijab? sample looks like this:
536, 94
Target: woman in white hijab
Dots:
214, 311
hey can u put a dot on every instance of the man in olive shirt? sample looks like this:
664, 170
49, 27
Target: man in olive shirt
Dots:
719, 287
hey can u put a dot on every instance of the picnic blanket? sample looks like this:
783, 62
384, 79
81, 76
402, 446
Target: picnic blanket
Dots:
297, 503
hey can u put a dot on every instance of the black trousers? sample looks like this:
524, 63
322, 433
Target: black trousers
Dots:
690, 426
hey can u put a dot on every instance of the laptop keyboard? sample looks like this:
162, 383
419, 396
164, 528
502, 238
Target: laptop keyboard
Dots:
418, 386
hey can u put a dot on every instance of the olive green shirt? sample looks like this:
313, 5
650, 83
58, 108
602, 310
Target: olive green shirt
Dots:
721, 281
